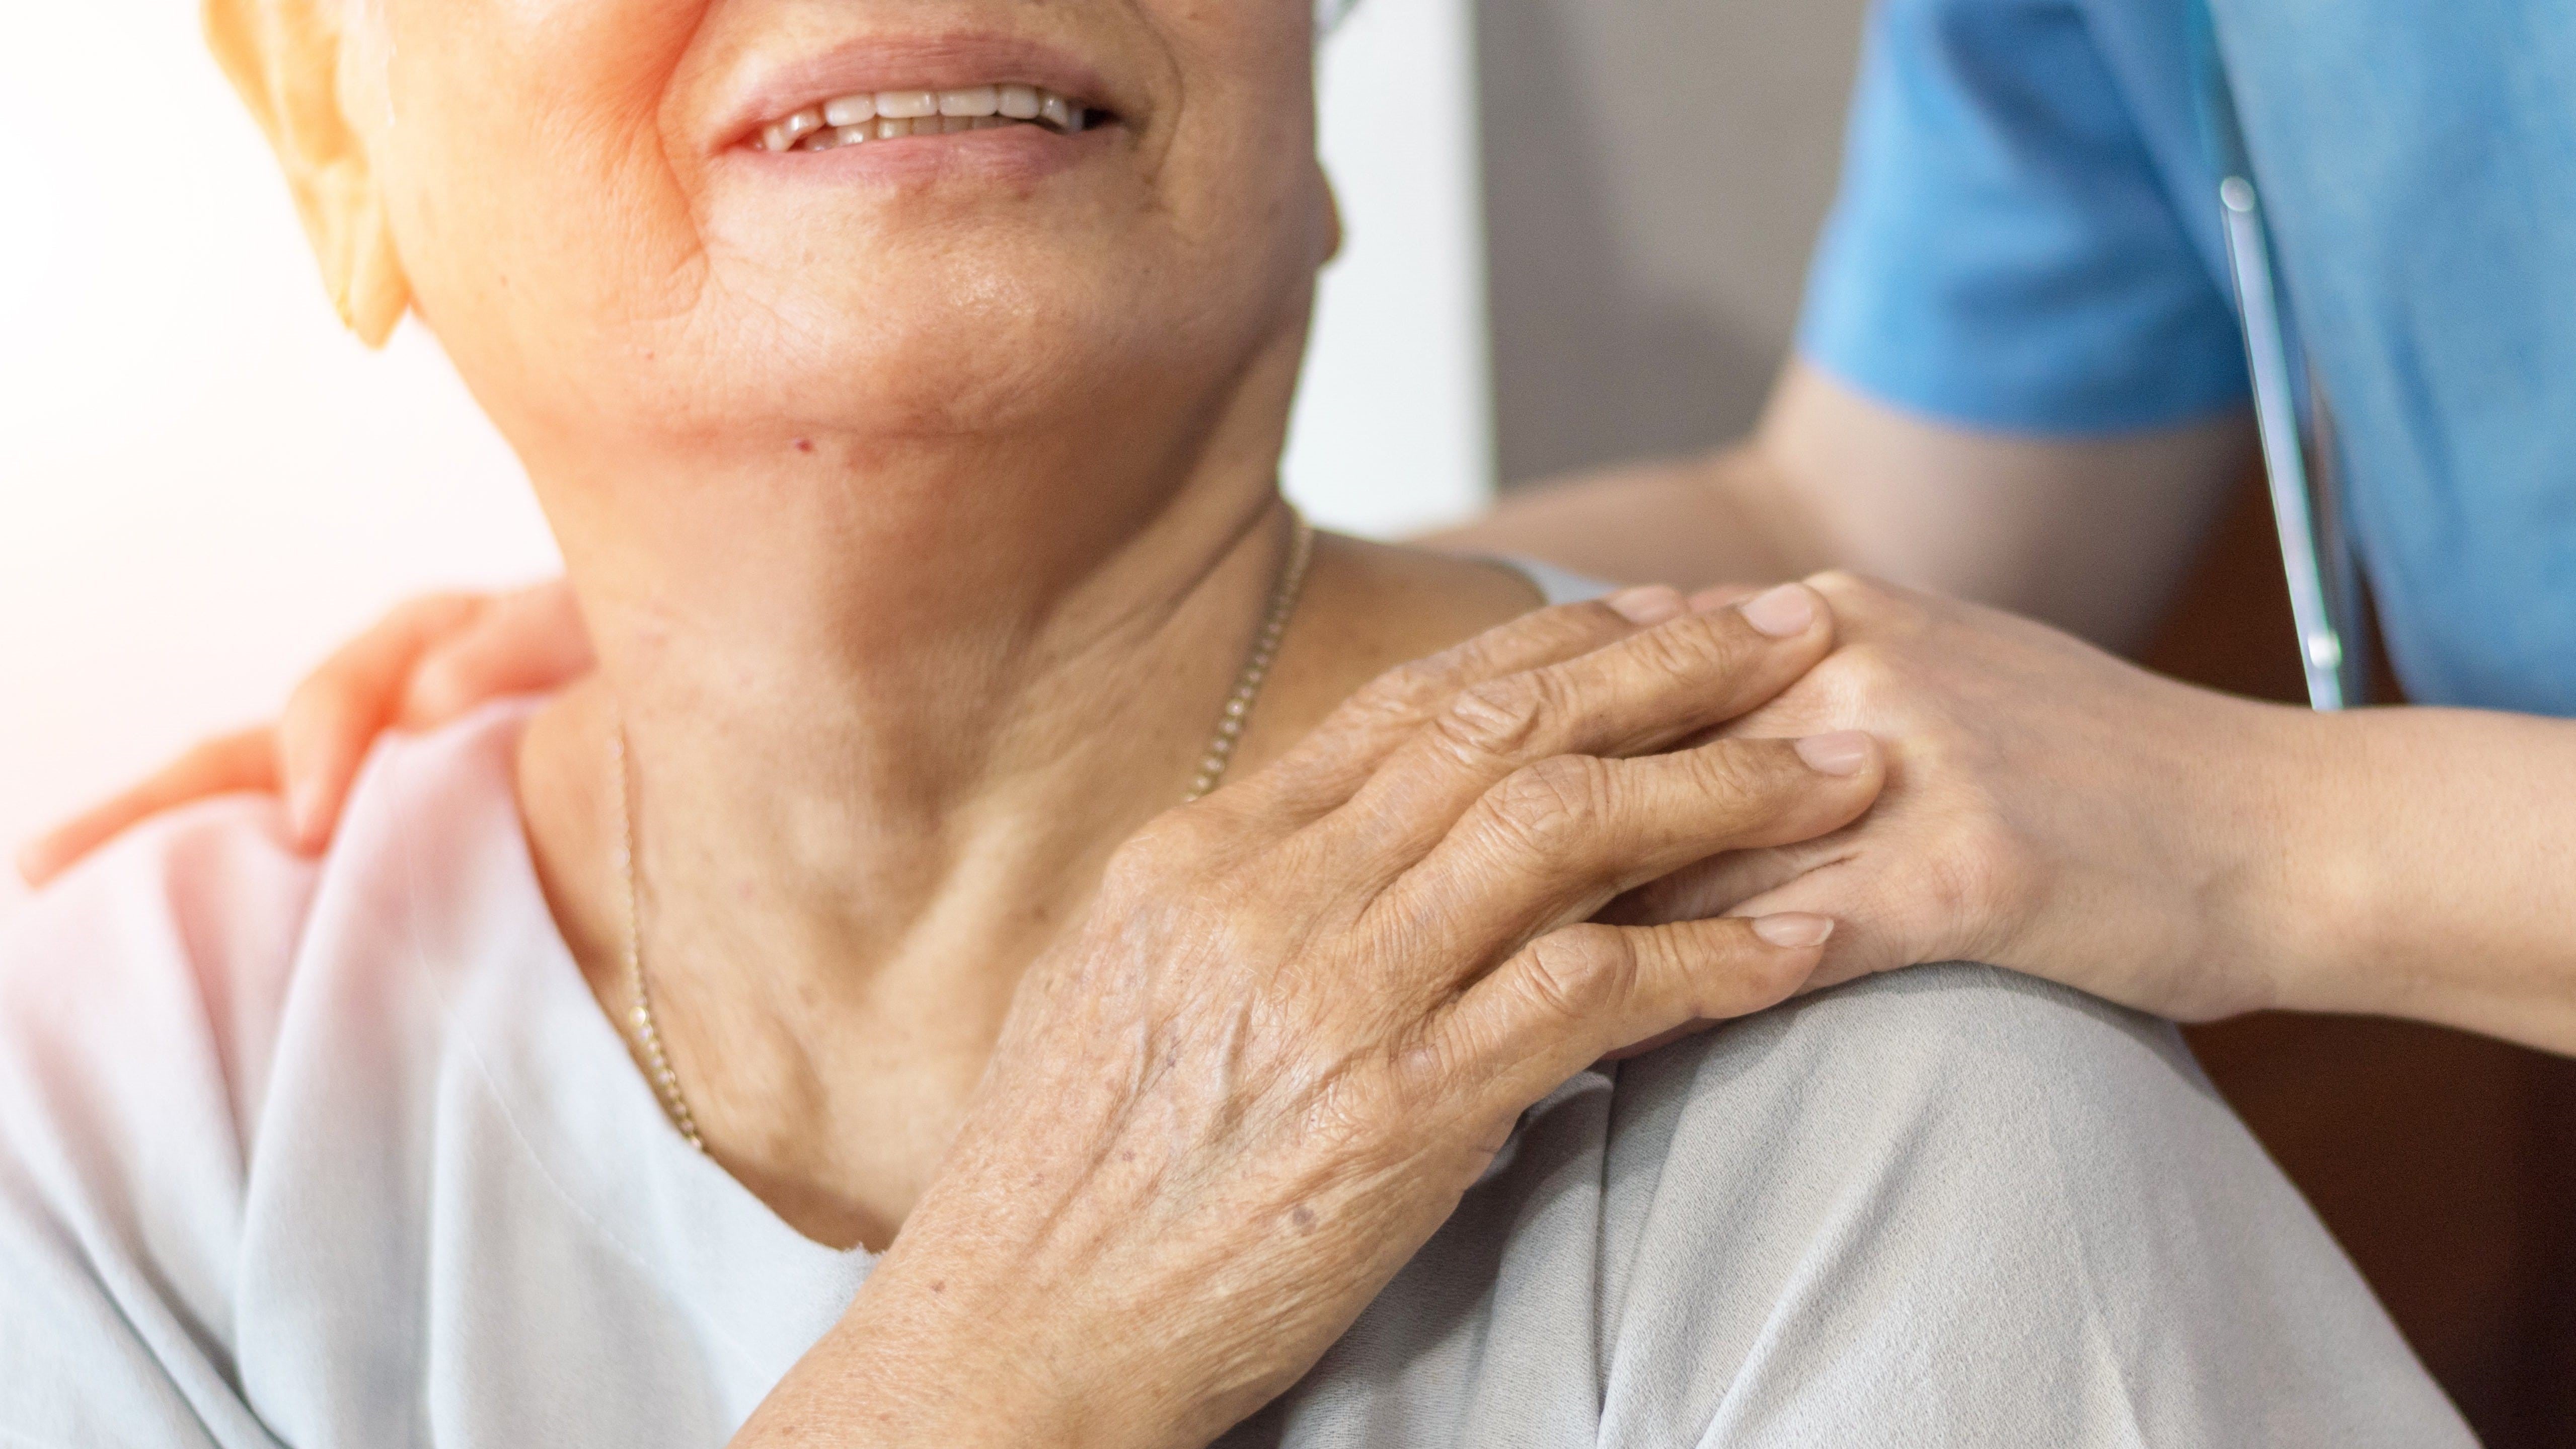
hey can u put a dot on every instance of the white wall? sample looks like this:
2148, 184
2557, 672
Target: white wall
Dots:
204, 484
1393, 431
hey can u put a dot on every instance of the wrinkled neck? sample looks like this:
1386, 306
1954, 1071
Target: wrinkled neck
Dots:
845, 721
849, 771
869, 676
887, 707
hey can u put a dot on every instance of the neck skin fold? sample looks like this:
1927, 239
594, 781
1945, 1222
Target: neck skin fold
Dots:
889, 707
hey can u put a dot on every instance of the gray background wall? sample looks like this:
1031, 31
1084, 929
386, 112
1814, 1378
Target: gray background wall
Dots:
1655, 173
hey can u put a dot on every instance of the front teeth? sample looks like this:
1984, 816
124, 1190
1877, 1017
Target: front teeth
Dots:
884, 115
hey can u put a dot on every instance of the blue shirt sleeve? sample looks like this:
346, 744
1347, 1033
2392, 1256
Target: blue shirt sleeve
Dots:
2007, 252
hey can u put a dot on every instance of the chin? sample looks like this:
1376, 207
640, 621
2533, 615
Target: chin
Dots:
1005, 334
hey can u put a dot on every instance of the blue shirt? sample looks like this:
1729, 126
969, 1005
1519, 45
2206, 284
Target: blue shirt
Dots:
2028, 241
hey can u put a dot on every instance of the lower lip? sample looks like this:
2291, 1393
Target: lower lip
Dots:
1009, 153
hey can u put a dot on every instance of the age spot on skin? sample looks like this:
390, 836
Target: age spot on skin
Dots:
1304, 1217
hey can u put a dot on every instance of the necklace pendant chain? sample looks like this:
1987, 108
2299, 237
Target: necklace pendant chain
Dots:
648, 1034
1284, 596
1256, 667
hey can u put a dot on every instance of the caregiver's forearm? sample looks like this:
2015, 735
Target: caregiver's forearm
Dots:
1719, 517
2430, 871
2092, 535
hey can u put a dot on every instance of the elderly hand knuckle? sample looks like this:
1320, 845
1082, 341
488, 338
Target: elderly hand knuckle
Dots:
1550, 808
1407, 687
1135, 868
1360, 722
1732, 776
1573, 627
1170, 847
1556, 628
1426, 1069
1498, 718
1578, 971
1695, 646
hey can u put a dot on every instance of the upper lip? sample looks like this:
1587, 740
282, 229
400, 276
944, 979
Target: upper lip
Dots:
931, 63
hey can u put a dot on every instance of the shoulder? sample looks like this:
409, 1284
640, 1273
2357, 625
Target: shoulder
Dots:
1963, 1094
170, 944
147, 988
1966, 1052
1965, 1198
135, 996
149, 1006
1945, 1207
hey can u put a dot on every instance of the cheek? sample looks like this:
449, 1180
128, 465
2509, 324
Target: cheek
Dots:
1246, 108
528, 181
582, 263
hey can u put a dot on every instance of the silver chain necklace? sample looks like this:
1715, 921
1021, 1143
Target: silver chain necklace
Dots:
1220, 754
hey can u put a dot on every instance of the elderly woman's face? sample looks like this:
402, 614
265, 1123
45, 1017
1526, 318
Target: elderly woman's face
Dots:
595, 215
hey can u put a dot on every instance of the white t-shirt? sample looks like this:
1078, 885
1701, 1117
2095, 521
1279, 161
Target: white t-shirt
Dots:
346, 1156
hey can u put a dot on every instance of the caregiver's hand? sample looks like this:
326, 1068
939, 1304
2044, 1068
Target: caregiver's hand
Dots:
2055, 811
1304, 1014
2050, 809
425, 664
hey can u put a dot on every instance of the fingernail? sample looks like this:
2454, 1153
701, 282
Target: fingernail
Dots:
1835, 754
1784, 613
1652, 604
1795, 931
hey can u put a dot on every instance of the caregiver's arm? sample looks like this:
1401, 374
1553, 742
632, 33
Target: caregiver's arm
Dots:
2090, 534
2057, 811
2432, 871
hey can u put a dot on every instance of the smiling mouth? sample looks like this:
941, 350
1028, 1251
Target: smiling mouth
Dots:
887, 115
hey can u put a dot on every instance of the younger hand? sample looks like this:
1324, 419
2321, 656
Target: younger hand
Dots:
427, 663
2049, 809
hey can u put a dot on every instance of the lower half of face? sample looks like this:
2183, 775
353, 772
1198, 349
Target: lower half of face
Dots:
679, 217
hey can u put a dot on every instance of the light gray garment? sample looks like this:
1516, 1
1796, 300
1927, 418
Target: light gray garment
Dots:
345, 1156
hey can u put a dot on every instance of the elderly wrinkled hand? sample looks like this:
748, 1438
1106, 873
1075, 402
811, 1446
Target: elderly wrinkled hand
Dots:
1305, 1013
